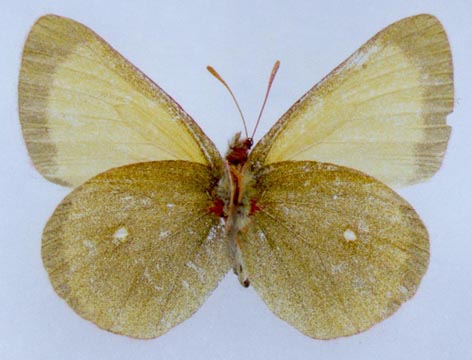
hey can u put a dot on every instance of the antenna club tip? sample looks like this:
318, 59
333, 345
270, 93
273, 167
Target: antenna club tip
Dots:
275, 69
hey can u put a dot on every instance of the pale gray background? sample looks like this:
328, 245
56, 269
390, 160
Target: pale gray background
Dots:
173, 41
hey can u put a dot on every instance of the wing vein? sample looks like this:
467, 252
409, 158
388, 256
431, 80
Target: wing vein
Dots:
323, 265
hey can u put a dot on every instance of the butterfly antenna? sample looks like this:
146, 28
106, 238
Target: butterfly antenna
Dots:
271, 80
217, 76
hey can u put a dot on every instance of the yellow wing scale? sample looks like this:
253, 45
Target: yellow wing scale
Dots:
383, 111
332, 251
84, 109
134, 249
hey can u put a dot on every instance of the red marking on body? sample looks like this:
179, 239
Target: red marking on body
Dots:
254, 207
217, 208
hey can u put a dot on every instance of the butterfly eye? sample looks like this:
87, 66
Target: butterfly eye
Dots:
248, 143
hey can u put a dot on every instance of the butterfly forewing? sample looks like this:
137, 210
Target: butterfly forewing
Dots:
135, 249
331, 250
85, 109
383, 111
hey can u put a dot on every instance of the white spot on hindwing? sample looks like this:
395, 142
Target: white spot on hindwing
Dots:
199, 270
120, 235
349, 235
151, 280
338, 268
363, 226
261, 237
402, 289
90, 245
164, 234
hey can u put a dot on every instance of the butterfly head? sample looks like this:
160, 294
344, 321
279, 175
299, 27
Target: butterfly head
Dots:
238, 151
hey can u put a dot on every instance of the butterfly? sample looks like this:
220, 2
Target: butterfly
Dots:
307, 216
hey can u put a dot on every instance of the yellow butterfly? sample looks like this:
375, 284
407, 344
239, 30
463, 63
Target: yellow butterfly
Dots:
158, 217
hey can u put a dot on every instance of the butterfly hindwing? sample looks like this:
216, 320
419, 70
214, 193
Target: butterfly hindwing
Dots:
331, 250
85, 109
383, 111
134, 249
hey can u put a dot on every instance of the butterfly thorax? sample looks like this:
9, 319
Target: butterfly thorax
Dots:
235, 202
